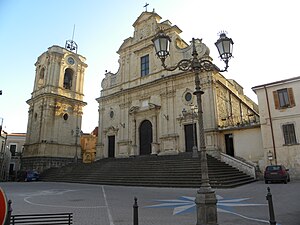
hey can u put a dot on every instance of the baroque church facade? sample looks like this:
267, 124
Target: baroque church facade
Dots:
144, 109
55, 109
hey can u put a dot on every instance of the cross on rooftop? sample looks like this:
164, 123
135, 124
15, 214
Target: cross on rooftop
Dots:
145, 6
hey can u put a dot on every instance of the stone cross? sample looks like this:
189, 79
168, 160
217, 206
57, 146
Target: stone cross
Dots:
145, 6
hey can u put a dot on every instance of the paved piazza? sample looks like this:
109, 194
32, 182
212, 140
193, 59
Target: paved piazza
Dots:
112, 205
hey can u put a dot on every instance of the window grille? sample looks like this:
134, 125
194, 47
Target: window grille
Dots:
289, 134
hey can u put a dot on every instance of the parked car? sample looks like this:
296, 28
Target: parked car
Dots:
21, 175
30, 175
276, 173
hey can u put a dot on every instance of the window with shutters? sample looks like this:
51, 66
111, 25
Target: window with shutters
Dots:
284, 98
289, 134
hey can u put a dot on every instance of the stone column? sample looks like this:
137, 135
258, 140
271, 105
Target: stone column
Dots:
154, 144
100, 145
133, 150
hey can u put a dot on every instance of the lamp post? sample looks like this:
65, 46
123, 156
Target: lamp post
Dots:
76, 141
194, 109
206, 201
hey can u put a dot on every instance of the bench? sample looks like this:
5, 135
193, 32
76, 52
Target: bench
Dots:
40, 219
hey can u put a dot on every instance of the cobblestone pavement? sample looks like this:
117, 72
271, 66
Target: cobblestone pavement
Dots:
112, 205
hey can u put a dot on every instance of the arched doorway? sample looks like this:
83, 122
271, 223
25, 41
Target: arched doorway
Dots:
145, 132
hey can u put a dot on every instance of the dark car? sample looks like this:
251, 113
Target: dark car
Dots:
21, 175
276, 173
32, 175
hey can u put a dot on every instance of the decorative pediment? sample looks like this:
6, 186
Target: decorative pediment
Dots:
137, 109
111, 129
134, 109
145, 16
153, 106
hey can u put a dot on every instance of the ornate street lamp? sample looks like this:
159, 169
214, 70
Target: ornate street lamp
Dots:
206, 200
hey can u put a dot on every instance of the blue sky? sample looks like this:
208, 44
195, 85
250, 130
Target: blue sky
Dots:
265, 34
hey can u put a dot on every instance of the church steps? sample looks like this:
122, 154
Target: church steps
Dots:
151, 182
165, 183
163, 179
166, 171
157, 172
140, 179
215, 173
136, 180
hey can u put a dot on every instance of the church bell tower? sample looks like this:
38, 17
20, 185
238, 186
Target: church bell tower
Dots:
55, 109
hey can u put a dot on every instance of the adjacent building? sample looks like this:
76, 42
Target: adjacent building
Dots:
4, 155
146, 110
88, 146
279, 110
11, 149
15, 143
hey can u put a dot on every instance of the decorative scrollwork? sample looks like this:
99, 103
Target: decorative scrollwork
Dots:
206, 65
184, 65
193, 65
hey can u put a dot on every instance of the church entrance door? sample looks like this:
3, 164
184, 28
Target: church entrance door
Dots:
145, 137
111, 146
229, 144
188, 133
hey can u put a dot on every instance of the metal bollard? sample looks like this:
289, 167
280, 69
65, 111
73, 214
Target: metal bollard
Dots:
135, 212
7, 220
271, 209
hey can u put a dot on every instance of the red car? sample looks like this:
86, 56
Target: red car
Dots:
276, 173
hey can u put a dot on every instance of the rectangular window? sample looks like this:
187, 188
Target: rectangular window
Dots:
284, 98
145, 65
289, 134
13, 149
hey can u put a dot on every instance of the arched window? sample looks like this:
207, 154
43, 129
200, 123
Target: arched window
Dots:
42, 73
41, 77
68, 77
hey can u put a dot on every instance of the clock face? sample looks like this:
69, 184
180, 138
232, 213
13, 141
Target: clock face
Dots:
71, 60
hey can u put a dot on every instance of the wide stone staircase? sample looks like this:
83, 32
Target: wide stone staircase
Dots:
156, 171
